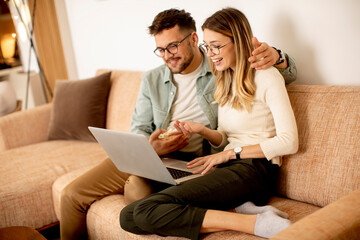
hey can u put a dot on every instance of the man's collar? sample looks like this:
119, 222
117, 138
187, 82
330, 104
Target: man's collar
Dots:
167, 75
205, 68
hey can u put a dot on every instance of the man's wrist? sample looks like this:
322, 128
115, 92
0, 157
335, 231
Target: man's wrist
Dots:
281, 57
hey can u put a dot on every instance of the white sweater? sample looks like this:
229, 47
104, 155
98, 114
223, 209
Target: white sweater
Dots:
271, 122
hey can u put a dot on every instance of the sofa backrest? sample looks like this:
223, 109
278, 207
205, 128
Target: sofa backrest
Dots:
327, 165
122, 98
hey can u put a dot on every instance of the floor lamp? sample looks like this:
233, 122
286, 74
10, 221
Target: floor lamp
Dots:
21, 10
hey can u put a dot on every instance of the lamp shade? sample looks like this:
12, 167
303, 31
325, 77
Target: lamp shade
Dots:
7, 45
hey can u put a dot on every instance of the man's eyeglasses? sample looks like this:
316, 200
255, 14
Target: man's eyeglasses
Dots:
214, 49
171, 48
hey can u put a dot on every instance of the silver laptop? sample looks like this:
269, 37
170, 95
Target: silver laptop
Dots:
132, 153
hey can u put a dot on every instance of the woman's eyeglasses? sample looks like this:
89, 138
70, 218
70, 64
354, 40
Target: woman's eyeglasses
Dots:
214, 49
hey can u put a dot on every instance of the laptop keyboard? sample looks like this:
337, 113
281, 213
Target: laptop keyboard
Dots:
176, 174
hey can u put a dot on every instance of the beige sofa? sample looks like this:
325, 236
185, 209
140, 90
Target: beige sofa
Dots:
318, 186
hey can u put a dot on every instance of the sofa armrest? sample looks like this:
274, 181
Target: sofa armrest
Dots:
338, 220
25, 127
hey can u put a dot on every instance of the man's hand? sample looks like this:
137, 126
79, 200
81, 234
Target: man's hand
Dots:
162, 147
264, 56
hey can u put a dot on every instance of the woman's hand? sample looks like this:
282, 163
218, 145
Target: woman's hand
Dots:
188, 128
208, 162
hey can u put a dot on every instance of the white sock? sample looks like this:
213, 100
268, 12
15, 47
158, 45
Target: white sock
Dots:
269, 223
251, 208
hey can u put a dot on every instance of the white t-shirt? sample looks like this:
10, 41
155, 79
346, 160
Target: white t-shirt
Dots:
186, 108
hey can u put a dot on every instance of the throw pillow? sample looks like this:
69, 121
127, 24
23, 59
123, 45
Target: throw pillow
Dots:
78, 104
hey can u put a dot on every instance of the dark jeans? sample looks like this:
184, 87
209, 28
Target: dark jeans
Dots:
179, 210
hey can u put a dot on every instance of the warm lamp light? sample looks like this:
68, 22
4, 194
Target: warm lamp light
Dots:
8, 43
22, 32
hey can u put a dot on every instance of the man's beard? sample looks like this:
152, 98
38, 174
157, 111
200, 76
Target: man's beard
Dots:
182, 66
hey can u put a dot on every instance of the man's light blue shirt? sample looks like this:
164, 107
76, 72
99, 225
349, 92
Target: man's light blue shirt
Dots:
156, 96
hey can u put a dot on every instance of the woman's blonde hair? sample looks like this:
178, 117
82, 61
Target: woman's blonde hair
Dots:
233, 23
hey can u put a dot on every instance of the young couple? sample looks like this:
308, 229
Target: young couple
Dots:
253, 121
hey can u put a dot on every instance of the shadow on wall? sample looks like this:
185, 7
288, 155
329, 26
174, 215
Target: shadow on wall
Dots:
301, 50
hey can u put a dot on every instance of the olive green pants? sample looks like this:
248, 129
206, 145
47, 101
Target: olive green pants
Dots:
180, 210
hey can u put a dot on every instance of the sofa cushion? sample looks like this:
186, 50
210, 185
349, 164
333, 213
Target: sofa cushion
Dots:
27, 174
103, 219
122, 98
327, 164
338, 220
78, 104
103, 216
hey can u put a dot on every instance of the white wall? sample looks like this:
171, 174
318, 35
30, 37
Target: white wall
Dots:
322, 35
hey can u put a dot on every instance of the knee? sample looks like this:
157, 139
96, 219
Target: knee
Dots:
142, 216
71, 196
126, 219
136, 188
68, 194
147, 213
129, 220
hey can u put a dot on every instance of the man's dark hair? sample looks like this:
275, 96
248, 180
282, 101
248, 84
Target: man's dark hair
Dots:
170, 18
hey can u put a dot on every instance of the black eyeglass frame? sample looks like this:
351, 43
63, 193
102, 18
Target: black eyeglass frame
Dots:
162, 50
206, 48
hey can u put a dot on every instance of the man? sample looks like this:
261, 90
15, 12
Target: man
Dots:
181, 89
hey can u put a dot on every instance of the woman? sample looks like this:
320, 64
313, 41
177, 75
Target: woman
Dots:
257, 126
